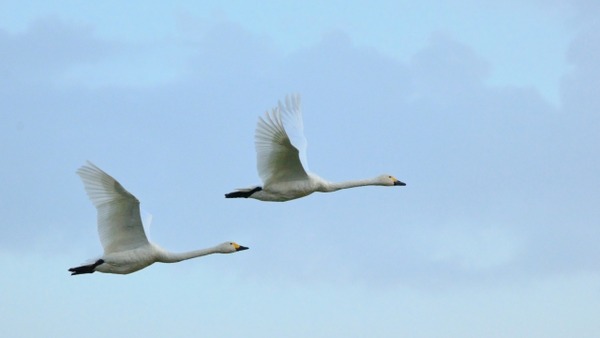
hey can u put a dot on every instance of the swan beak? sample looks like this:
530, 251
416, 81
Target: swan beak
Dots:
241, 248
396, 182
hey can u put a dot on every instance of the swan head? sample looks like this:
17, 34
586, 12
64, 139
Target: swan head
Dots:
230, 247
389, 180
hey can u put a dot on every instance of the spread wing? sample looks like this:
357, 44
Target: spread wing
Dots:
277, 159
119, 222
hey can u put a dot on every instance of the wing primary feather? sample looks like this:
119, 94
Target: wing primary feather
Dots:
119, 221
278, 159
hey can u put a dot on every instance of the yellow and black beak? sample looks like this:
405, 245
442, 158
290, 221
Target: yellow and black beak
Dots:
400, 183
239, 247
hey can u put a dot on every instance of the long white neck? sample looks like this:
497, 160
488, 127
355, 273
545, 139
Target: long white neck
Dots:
335, 186
172, 257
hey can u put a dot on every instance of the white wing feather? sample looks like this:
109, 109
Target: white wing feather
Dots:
277, 159
294, 126
119, 222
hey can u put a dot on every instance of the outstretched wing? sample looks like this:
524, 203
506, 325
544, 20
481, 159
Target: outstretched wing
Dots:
119, 222
277, 159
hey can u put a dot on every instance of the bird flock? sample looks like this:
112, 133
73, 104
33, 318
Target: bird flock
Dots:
281, 164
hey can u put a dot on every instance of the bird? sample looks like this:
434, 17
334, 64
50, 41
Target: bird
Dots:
126, 247
282, 165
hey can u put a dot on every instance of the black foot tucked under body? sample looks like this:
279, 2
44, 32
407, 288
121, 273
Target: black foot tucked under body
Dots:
242, 193
86, 268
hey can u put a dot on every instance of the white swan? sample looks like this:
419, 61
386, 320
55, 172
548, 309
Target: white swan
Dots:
126, 248
282, 165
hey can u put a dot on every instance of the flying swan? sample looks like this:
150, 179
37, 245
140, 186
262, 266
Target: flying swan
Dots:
126, 248
282, 165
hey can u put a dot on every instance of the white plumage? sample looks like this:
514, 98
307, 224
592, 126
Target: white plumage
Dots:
126, 247
282, 165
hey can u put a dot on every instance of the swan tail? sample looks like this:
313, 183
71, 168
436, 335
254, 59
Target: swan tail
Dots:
85, 268
243, 193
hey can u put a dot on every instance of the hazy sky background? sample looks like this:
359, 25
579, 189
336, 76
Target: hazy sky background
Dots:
488, 111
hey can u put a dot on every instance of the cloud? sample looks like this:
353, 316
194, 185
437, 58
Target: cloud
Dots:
498, 182
578, 96
48, 48
439, 65
227, 54
578, 86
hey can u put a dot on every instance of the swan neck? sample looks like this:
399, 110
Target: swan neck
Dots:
334, 186
174, 257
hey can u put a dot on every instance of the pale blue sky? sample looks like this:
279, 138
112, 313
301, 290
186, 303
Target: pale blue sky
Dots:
488, 111
525, 42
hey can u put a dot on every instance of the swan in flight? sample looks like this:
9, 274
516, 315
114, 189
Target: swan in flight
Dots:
126, 248
282, 164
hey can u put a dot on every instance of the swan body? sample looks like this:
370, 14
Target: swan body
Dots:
126, 247
282, 165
